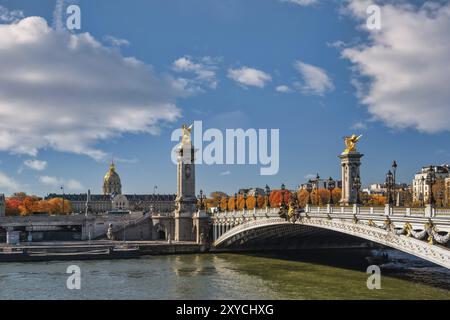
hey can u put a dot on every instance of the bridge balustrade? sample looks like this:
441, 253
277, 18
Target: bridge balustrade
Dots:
442, 212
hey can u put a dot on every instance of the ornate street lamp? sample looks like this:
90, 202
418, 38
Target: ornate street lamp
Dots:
219, 207
267, 195
331, 187
309, 189
431, 181
63, 196
394, 169
245, 200
227, 199
283, 187
235, 202
357, 187
256, 198
389, 185
202, 206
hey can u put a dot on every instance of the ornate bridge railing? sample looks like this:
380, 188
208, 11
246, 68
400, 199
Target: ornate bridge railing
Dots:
424, 232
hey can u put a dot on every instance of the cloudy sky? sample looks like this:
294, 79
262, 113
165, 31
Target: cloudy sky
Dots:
117, 88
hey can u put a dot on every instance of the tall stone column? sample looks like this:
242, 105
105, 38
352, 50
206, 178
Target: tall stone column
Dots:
185, 203
350, 163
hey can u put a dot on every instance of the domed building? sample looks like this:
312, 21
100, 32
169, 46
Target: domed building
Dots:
111, 182
112, 198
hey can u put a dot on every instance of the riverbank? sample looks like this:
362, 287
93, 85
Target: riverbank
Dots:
94, 250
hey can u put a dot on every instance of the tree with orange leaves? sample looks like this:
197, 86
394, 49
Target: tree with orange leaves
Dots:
29, 205
276, 197
55, 206
12, 206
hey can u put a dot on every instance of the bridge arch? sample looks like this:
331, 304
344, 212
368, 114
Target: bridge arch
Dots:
255, 229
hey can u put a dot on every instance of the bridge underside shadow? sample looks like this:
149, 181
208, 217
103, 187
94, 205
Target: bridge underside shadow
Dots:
293, 237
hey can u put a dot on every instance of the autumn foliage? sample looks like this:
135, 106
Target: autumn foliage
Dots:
22, 204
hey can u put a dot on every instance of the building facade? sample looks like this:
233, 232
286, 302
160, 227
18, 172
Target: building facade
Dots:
447, 191
421, 190
112, 198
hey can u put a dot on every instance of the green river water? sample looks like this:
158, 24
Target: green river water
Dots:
225, 276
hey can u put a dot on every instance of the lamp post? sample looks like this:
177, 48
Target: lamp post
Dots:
357, 186
256, 198
430, 181
389, 185
227, 199
201, 200
63, 196
219, 207
245, 200
394, 170
235, 202
331, 187
267, 195
283, 188
309, 189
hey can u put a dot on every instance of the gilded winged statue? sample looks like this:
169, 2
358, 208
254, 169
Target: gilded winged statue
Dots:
186, 139
350, 143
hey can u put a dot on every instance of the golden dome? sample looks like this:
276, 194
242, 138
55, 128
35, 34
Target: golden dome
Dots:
111, 173
111, 181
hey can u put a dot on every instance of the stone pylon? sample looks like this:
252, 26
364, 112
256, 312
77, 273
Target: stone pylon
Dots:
186, 201
350, 163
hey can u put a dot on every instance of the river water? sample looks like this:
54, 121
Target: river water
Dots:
228, 276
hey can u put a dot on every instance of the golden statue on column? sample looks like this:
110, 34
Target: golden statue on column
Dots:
350, 143
186, 139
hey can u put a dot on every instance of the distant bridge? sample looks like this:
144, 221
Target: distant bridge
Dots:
422, 232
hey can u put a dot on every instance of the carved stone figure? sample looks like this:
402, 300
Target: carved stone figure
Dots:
110, 233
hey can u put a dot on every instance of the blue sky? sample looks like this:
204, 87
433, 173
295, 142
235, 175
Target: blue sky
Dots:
401, 109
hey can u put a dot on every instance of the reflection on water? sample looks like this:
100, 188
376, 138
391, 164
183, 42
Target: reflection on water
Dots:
285, 275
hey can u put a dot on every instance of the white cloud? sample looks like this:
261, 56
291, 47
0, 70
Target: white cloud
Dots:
116, 42
249, 77
74, 185
8, 183
37, 165
128, 161
302, 2
49, 181
70, 184
283, 89
204, 70
9, 16
404, 68
314, 79
359, 125
225, 173
67, 92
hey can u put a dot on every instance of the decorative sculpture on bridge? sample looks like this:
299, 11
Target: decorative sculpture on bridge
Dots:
110, 233
350, 143
186, 139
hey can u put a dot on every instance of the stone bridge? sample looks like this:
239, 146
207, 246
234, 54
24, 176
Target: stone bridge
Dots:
422, 232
